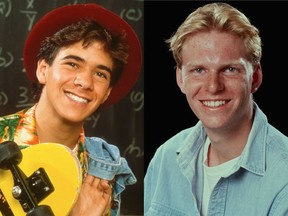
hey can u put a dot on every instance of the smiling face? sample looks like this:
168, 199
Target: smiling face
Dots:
77, 82
218, 80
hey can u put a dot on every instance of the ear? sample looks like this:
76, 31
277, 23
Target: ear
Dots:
179, 79
41, 71
107, 95
256, 78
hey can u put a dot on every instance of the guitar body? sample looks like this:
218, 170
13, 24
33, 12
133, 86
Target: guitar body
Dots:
63, 170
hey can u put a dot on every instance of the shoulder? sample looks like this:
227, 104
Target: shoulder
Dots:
275, 135
277, 145
168, 150
101, 149
12, 117
8, 125
105, 161
176, 141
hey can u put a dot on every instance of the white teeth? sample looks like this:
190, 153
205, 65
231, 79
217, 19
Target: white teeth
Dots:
214, 103
76, 98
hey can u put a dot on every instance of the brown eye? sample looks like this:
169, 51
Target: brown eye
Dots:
102, 75
72, 64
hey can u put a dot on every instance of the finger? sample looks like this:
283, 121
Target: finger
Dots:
96, 182
106, 188
105, 184
89, 179
107, 196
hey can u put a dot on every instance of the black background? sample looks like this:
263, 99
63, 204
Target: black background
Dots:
120, 124
166, 109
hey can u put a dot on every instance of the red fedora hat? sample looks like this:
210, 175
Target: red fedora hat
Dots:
66, 15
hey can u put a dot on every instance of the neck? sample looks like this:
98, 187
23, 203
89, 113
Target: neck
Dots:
50, 128
228, 142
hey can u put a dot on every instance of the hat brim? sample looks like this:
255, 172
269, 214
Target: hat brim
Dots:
66, 15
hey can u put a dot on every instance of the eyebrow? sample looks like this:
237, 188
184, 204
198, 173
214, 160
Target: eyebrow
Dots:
79, 59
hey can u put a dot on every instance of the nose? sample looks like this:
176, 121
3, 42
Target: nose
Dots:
84, 80
214, 82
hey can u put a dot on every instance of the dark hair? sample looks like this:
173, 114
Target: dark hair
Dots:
87, 31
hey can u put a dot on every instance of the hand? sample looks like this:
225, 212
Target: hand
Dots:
94, 197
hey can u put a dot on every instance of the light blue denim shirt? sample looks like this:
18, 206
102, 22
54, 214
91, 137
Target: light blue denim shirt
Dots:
104, 161
259, 187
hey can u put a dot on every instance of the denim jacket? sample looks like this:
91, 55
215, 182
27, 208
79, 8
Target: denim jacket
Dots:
104, 161
259, 187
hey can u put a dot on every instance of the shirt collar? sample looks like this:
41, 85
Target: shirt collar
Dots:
26, 133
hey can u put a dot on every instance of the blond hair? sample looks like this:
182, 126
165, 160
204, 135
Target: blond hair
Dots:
222, 17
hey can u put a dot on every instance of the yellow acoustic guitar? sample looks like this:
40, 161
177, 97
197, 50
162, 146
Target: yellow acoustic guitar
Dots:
44, 179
